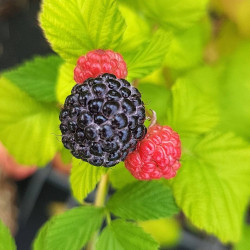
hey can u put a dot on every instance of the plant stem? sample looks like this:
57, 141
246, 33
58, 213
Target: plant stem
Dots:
101, 191
99, 202
108, 218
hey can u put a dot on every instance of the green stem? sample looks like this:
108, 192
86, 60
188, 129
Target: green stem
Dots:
102, 191
108, 218
100, 198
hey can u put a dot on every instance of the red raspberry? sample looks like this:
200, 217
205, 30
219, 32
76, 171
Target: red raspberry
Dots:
97, 62
156, 156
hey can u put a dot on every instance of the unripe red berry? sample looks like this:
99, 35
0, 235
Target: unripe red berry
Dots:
97, 62
156, 156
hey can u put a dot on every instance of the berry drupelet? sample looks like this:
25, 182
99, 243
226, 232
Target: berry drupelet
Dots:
103, 120
97, 62
157, 155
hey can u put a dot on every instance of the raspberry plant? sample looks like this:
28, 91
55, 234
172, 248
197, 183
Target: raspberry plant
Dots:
198, 89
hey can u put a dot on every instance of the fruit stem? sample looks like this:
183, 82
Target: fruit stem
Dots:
100, 198
153, 118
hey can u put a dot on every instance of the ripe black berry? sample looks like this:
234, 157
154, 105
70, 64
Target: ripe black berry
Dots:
102, 120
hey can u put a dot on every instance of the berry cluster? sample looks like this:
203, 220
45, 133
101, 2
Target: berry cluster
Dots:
97, 62
157, 155
102, 120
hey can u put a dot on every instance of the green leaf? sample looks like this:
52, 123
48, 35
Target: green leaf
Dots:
7, 242
159, 104
121, 235
186, 48
84, 177
179, 14
226, 43
212, 186
235, 89
137, 32
37, 77
149, 56
66, 155
158, 77
28, 128
166, 231
71, 230
143, 201
119, 176
65, 82
39, 241
74, 27
244, 243
206, 79
192, 112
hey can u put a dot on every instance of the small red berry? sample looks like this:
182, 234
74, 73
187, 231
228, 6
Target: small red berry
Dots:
157, 155
97, 62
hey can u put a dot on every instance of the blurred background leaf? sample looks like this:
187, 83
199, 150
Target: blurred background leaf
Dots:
235, 87
187, 47
171, 14
7, 242
244, 243
166, 231
28, 128
159, 104
238, 11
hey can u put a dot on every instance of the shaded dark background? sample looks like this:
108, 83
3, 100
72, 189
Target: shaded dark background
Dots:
20, 35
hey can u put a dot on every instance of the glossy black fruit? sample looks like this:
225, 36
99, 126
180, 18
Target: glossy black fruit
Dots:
102, 120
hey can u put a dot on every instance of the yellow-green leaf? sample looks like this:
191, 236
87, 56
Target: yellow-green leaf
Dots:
174, 14
244, 242
84, 178
149, 56
65, 81
119, 176
28, 129
137, 32
74, 27
186, 48
192, 112
212, 186
6, 241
